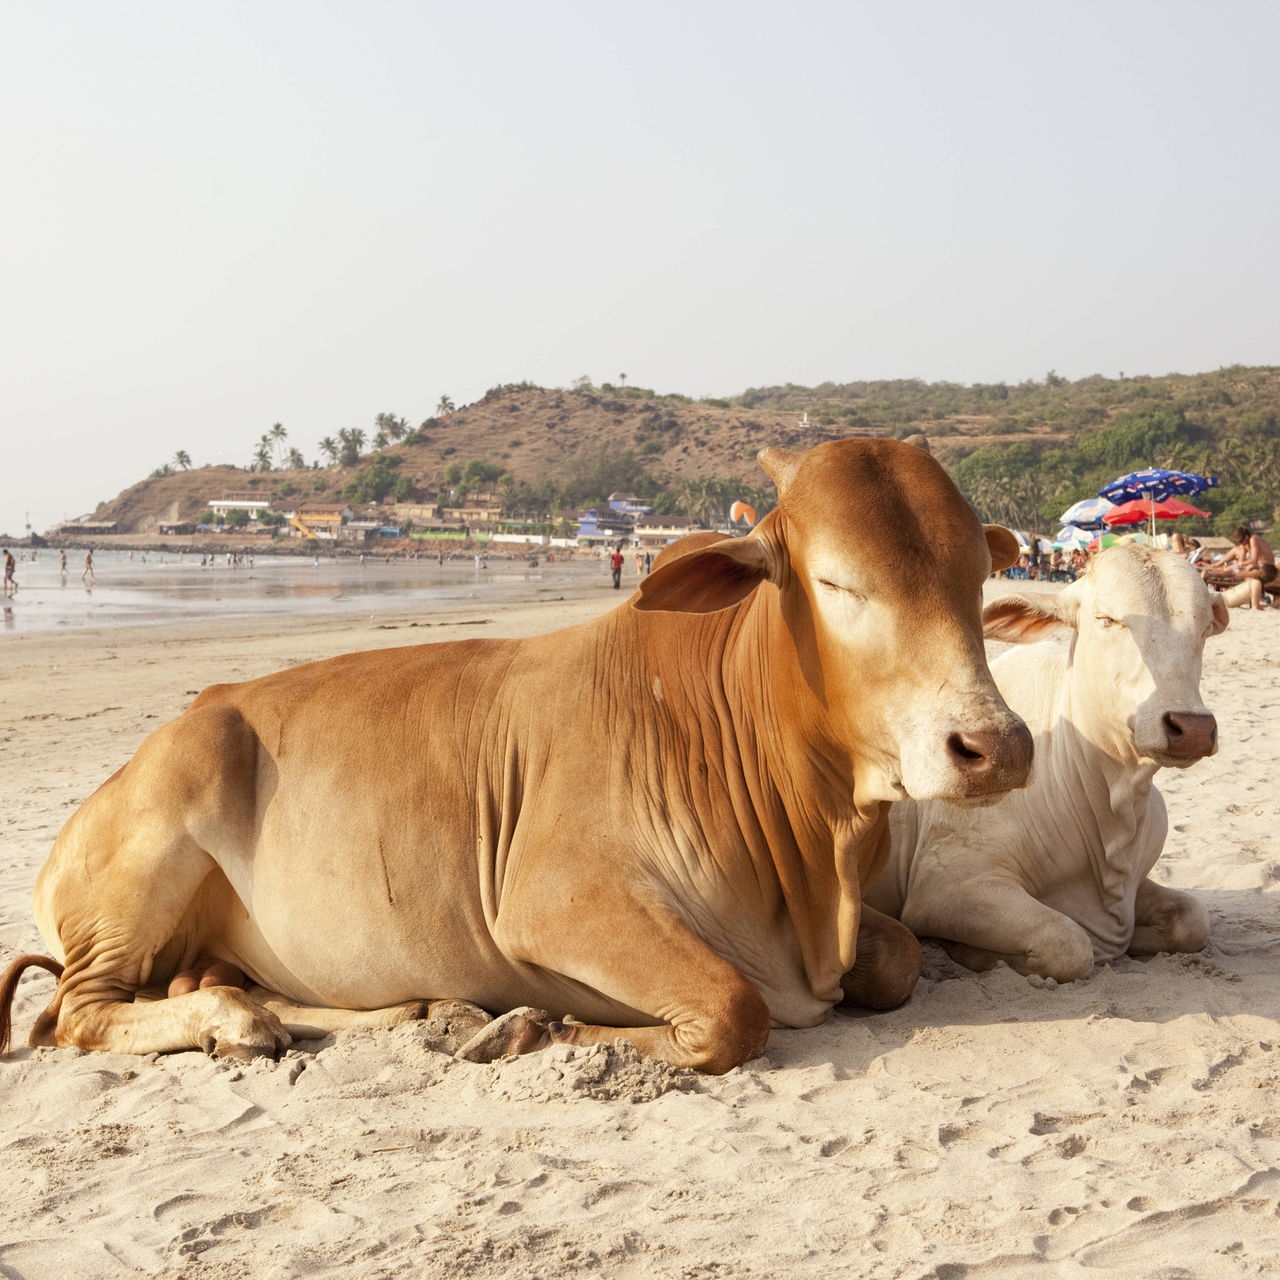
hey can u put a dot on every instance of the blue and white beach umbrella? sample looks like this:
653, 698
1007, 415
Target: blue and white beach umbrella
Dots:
1156, 484
1087, 513
1073, 537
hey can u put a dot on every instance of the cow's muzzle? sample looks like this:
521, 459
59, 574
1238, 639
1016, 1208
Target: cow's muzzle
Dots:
1189, 736
991, 761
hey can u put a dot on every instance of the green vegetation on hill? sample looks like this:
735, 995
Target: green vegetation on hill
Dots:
1024, 453
1021, 453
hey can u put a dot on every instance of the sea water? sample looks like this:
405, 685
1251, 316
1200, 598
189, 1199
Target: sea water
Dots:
133, 591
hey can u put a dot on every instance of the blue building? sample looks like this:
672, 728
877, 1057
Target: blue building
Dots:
596, 528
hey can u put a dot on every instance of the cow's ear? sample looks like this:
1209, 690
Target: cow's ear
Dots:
1026, 619
708, 580
1002, 545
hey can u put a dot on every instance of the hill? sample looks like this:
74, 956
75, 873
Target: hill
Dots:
1021, 453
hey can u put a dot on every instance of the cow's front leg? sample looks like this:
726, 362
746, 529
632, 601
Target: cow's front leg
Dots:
447, 1024
887, 964
641, 956
982, 922
221, 1020
1167, 920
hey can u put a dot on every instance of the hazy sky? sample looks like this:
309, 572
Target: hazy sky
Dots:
218, 216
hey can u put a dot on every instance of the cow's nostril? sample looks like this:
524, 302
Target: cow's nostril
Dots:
1190, 734
1003, 752
966, 748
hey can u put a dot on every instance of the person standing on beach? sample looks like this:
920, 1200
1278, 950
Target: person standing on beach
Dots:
88, 568
10, 582
62, 562
615, 565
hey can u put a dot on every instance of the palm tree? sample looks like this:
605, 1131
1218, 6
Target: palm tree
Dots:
277, 436
351, 442
699, 500
1228, 459
390, 428
296, 461
262, 455
182, 459
444, 408
329, 447
1256, 465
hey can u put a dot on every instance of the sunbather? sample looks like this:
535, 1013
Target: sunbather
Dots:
1251, 561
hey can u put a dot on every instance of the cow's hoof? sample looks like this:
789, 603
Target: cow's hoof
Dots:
410, 1011
239, 1052
246, 1031
520, 1031
452, 1024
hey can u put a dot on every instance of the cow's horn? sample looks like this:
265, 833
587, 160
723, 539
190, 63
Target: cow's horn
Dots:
780, 465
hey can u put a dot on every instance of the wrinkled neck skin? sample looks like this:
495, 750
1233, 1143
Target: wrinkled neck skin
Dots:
779, 775
1097, 772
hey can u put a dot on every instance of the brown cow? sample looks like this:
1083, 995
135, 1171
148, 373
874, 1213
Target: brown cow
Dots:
661, 820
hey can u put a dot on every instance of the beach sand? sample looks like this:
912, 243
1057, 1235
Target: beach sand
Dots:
995, 1126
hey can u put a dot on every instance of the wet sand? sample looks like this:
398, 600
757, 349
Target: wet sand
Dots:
138, 591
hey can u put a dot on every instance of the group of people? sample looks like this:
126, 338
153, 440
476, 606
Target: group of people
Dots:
11, 567
644, 562
1056, 566
1251, 560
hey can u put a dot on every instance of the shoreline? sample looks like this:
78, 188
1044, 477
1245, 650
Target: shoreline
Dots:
156, 591
264, 544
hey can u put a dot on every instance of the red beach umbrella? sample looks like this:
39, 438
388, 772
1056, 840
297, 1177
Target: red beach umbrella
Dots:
1142, 509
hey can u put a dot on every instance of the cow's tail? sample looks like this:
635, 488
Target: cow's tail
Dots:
9, 987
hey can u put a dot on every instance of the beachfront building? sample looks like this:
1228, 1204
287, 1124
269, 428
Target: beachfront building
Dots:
628, 504
416, 513
363, 530
223, 507
656, 531
601, 528
476, 514
86, 527
439, 530
318, 520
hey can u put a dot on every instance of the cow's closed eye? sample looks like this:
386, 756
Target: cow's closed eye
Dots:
828, 585
1107, 623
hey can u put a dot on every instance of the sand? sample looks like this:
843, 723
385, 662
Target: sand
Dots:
996, 1125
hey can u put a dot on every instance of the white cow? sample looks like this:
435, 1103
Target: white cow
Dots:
1053, 878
